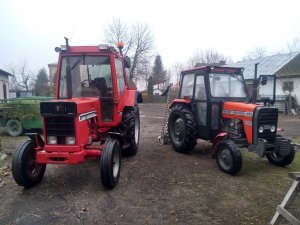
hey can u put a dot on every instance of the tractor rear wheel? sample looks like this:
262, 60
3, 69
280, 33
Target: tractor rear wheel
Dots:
228, 156
14, 127
182, 129
110, 163
131, 122
26, 171
280, 160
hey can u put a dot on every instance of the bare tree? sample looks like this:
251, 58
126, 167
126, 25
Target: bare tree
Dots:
176, 70
144, 71
23, 78
138, 40
116, 32
143, 44
257, 53
206, 57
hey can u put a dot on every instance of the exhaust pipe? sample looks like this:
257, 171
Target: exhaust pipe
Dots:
255, 83
68, 72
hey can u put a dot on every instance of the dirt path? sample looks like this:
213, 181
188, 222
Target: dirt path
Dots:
157, 186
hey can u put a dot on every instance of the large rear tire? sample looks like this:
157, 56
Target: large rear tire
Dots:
228, 157
25, 170
14, 127
182, 128
131, 122
110, 163
280, 160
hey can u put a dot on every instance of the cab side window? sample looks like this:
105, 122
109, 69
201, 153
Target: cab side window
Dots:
200, 92
120, 76
187, 86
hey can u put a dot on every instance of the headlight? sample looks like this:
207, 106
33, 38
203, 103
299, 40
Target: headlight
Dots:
51, 140
272, 129
261, 129
70, 140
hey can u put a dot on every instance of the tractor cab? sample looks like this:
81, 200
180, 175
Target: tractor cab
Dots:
208, 88
91, 76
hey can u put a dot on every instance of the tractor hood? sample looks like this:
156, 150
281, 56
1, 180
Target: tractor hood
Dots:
238, 108
71, 106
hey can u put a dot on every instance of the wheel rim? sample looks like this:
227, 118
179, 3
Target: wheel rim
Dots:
31, 167
225, 158
116, 163
178, 130
276, 156
14, 127
136, 129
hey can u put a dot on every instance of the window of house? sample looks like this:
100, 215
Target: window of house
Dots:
4, 91
288, 86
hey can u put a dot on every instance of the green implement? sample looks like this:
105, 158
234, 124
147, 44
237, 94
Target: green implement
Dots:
20, 114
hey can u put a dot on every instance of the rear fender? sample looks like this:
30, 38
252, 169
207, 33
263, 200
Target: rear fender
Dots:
181, 101
130, 98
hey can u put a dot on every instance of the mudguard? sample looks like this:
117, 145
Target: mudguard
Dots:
37, 138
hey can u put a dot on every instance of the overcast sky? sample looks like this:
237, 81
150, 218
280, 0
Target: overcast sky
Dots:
30, 29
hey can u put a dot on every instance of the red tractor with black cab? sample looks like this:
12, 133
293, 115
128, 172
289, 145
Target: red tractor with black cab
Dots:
94, 114
214, 105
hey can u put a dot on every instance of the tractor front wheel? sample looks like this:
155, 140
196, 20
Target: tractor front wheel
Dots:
182, 129
280, 160
228, 156
26, 171
110, 163
14, 127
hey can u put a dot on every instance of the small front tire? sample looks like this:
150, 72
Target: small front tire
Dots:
280, 160
228, 157
110, 163
26, 171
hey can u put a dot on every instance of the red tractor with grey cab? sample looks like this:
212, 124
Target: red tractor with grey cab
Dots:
94, 114
214, 105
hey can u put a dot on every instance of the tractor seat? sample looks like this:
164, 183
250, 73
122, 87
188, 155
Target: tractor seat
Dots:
100, 83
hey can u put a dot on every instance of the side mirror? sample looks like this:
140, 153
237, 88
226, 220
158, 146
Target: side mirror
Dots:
127, 62
139, 97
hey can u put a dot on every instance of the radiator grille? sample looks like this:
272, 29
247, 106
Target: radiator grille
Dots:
59, 126
266, 117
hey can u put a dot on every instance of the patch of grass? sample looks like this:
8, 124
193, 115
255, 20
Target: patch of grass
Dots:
268, 183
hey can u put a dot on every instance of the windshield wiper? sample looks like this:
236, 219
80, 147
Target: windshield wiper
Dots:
78, 61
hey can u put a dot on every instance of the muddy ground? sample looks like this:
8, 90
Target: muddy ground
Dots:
157, 186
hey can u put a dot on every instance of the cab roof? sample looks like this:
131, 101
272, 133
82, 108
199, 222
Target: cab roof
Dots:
214, 69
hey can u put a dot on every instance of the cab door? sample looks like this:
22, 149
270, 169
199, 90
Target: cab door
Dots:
200, 99
120, 86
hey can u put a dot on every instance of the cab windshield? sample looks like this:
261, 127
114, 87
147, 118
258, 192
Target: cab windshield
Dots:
91, 76
227, 85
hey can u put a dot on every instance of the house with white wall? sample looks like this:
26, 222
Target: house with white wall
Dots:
286, 68
4, 84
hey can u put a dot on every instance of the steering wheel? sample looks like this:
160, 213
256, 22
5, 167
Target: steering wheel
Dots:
84, 82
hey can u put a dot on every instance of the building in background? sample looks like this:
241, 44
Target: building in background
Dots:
4, 84
286, 68
52, 71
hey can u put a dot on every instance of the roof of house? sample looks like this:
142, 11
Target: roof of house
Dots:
5, 73
281, 65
